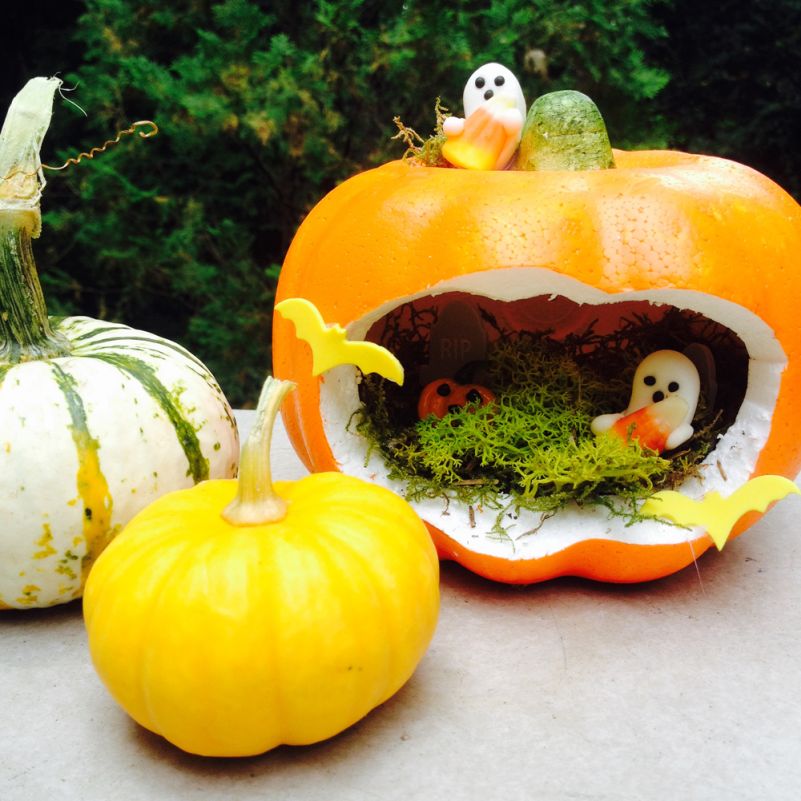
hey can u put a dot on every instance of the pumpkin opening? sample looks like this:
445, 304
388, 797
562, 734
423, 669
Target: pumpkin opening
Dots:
551, 365
576, 349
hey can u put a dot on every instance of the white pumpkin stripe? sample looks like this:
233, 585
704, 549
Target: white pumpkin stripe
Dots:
148, 345
149, 354
42, 538
128, 335
141, 371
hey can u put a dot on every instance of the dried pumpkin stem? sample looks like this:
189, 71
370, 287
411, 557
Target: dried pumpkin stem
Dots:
256, 501
21, 176
25, 332
564, 131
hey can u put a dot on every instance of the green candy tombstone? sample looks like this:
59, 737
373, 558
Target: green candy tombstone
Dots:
564, 131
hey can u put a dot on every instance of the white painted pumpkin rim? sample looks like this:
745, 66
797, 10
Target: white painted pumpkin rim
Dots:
737, 450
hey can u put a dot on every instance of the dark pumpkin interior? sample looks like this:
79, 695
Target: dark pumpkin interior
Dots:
599, 346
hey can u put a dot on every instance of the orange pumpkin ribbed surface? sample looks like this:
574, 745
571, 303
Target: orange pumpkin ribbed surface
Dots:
667, 228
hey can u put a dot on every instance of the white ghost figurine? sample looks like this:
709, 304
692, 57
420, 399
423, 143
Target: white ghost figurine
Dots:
494, 113
665, 389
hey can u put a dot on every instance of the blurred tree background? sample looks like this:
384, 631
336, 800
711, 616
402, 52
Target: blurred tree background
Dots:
265, 106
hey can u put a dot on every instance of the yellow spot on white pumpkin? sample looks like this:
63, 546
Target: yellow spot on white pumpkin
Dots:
8, 447
45, 543
30, 595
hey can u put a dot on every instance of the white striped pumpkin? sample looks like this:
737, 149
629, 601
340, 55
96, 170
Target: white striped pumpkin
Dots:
96, 419
89, 439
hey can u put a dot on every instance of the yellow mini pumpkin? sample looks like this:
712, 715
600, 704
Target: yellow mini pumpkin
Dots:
231, 619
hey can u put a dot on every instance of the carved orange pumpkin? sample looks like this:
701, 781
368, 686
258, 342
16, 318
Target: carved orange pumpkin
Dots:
444, 395
663, 229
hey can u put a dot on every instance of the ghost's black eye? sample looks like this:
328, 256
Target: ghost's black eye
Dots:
673, 386
474, 396
649, 380
480, 82
488, 94
500, 80
443, 390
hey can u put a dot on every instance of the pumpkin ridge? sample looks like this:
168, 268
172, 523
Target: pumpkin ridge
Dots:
92, 332
336, 538
92, 485
128, 335
335, 556
86, 338
134, 345
186, 434
336, 559
147, 709
160, 345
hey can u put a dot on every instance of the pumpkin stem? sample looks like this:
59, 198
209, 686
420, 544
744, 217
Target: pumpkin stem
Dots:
25, 331
564, 131
256, 501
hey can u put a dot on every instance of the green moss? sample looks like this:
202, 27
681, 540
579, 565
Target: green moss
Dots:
534, 445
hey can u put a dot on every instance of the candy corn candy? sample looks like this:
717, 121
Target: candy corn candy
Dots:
664, 396
489, 137
652, 425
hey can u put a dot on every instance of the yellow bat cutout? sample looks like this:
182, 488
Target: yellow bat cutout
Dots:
329, 344
715, 513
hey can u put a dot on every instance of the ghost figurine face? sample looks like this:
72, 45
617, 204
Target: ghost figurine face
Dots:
664, 395
492, 80
662, 374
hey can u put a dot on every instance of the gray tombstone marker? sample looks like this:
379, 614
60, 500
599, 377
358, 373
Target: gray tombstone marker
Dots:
457, 338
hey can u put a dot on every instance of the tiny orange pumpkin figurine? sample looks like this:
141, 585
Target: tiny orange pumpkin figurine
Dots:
626, 238
446, 395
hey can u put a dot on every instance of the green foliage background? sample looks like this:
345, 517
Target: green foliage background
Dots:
265, 106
